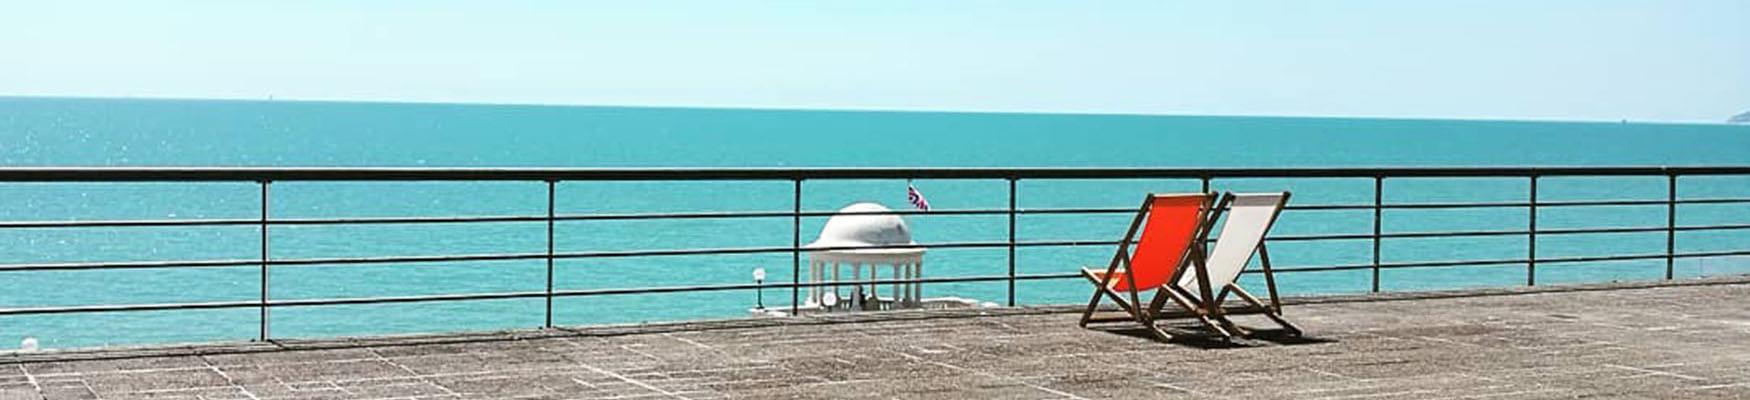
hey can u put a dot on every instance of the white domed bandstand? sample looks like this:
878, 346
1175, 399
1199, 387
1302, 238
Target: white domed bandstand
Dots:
867, 237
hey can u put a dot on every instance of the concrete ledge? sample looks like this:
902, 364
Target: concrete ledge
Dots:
749, 323
1678, 339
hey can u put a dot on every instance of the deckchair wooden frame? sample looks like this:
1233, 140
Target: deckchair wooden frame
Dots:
1207, 213
1209, 312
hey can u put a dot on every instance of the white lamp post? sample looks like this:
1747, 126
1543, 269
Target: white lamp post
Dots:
759, 280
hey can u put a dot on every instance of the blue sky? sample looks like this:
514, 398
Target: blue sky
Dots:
1546, 59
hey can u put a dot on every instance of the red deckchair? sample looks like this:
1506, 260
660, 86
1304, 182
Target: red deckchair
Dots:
1175, 222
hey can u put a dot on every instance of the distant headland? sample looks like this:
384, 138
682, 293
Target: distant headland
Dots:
1740, 118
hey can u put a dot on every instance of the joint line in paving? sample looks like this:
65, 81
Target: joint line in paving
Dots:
1656, 372
1722, 386
33, 383
1165, 385
689, 341
1394, 395
410, 371
990, 375
228, 380
623, 378
1520, 393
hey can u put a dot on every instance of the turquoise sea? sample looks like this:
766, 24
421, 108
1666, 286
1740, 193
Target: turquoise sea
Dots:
113, 132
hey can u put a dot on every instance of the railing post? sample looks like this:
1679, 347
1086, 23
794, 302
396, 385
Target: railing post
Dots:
264, 257
1205, 180
1671, 226
796, 249
1378, 217
1531, 237
1012, 181
551, 189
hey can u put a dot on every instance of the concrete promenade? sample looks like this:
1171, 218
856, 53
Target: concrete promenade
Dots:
1689, 339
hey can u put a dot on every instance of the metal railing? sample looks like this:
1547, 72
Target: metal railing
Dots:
265, 177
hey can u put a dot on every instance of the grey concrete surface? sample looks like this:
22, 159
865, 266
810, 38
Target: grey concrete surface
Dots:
1687, 340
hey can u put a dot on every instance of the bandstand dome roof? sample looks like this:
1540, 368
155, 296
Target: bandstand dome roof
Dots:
863, 229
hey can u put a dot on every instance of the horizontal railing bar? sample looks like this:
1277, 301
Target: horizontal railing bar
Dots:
1049, 211
533, 218
1714, 201
1624, 229
1310, 238
126, 223
651, 290
1585, 203
1328, 268
500, 295
403, 220
1400, 235
1518, 261
775, 214
1456, 263
1424, 235
256, 174
1621, 257
1635, 229
1415, 206
1644, 256
783, 249
128, 265
1523, 204
128, 307
1067, 243
1574, 203
1521, 232
1725, 227
256, 222
1314, 207
1724, 253
510, 256
786, 249
770, 214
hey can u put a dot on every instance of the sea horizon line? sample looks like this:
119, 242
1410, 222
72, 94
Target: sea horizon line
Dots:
853, 109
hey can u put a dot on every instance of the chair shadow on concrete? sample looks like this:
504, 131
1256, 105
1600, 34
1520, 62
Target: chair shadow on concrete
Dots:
1191, 336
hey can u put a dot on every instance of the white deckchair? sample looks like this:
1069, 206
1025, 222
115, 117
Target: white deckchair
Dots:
1249, 218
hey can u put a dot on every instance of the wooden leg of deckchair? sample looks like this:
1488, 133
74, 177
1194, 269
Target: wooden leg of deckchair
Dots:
1093, 303
1219, 315
1146, 318
1102, 284
1202, 316
1232, 327
1159, 301
1124, 305
1150, 316
1274, 313
1159, 334
1140, 316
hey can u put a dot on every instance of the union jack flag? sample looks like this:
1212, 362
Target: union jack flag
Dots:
916, 198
